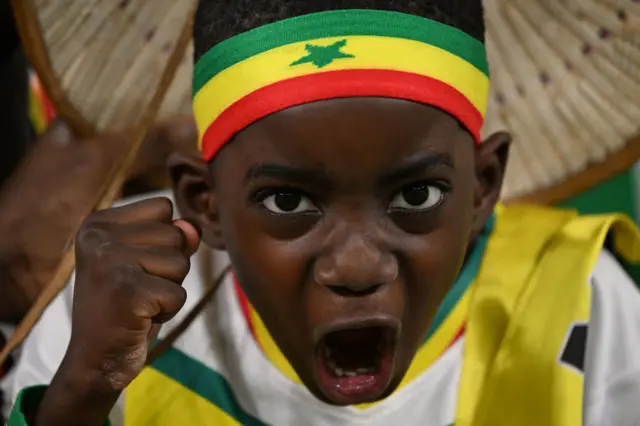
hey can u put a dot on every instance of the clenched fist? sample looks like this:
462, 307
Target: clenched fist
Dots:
131, 262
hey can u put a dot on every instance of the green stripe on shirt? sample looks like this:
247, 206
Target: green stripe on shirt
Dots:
26, 406
205, 382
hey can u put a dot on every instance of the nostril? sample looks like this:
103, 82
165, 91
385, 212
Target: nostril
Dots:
347, 290
325, 272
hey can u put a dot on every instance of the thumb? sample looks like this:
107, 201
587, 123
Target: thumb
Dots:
191, 233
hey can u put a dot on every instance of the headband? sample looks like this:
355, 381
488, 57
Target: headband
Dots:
337, 54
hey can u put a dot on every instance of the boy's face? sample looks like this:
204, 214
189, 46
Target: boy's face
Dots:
347, 222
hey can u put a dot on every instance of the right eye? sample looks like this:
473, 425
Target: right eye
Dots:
288, 203
417, 198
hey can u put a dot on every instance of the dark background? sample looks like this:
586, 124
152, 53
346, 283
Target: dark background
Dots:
15, 128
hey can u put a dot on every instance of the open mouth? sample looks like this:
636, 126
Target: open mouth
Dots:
356, 365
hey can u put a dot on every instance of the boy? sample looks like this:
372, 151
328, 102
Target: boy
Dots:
374, 281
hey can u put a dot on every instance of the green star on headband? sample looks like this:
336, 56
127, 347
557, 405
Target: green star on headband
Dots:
338, 54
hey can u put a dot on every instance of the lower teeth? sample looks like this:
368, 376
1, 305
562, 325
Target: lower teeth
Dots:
339, 372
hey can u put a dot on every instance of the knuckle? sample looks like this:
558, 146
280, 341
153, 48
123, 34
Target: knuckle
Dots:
104, 215
174, 292
180, 297
177, 237
141, 303
131, 289
104, 250
124, 277
90, 235
175, 298
164, 206
182, 265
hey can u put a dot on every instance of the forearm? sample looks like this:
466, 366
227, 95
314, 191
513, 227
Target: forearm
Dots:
42, 205
14, 294
51, 192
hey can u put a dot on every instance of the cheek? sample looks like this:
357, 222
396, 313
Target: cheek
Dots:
269, 270
438, 262
437, 258
448, 244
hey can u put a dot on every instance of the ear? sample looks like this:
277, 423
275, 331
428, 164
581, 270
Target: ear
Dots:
491, 163
195, 196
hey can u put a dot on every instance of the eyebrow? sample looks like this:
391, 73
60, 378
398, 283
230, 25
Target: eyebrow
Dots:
418, 166
287, 173
319, 178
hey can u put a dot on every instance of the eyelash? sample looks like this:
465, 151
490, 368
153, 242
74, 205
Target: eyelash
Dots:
259, 196
443, 186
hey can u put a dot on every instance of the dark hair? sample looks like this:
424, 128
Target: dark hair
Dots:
218, 20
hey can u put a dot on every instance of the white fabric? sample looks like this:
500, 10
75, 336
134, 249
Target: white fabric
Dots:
612, 379
220, 339
267, 395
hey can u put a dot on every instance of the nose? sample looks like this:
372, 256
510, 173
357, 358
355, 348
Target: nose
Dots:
356, 265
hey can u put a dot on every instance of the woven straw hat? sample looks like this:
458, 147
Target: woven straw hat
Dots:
565, 75
101, 60
566, 84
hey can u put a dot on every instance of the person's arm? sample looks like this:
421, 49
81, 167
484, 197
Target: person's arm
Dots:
43, 352
41, 205
131, 263
45, 200
41, 356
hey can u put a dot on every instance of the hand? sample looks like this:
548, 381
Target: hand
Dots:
130, 265
131, 262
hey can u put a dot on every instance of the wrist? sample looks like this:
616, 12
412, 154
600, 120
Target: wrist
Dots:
76, 397
27, 411
82, 377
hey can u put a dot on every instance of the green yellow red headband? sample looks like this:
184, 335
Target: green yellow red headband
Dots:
337, 54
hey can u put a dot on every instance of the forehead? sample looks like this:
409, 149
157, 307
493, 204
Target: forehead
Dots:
358, 135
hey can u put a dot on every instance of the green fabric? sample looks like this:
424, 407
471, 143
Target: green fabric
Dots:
27, 404
617, 194
614, 195
464, 280
338, 23
203, 381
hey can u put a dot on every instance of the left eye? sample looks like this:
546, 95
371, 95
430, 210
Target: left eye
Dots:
417, 198
288, 202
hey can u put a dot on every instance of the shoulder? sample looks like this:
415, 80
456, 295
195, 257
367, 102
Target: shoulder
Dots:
616, 300
612, 381
615, 315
